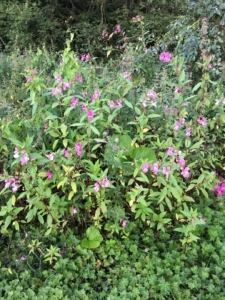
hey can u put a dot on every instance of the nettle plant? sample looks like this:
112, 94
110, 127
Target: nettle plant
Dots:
98, 149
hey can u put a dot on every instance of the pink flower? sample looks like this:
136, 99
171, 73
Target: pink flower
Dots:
145, 168
188, 131
34, 72
186, 172
15, 187
49, 175
154, 168
118, 29
24, 160
74, 102
74, 210
66, 85
84, 93
166, 171
66, 153
165, 56
56, 91
78, 148
119, 103
90, 115
177, 89
170, 151
151, 94
181, 162
202, 121
111, 104
28, 79
78, 78
16, 153
210, 66
58, 78
50, 156
126, 75
177, 125
105, 182
124, 223
96, 187
84, 107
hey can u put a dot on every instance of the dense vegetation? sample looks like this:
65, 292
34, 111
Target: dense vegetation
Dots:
112, 150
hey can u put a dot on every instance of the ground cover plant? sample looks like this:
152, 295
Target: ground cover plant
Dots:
113, 174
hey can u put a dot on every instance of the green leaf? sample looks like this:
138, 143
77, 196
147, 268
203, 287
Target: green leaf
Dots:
95, 130
93, 238
163, 194
7, 221
151, 116
175, 194
128, 103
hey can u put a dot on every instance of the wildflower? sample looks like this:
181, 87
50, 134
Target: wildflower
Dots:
116, 140
28, 79
24, 160
124, 223
119, 103
170, 151
140, 38
74, 102
84, 93
202, 121
78, 78
165, 56
66, 153
185, 172
111, 104
78, 148
210, 66
58, 78
56, 91
151, 94
14, 187
16, 153
84, 107
181, 162
177, 89
105, 182
145, 168
23, 258
166, 171
126, 75
90, 115
61, 252
74, 210
96, 187
50, 156
66, 85
118, 29
188, 131
154, 168
177, 125
34, 72
49, 175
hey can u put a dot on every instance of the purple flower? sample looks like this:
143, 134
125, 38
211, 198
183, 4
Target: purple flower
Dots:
165, 56
151, 94
78, 78
84, 107
118, 29
56, 91
74, 210
14, 187
49, 175
66, 153
154, 168
28, 79
50, 156
166, 171
23, 258
66, 85
74, 102
111, 104
170, 151
24, 160
181, 162
16, 153
202, 121
84, 93
177, 125
78, 148
58, 78
96, 187
119, 103
124, 223
188, 131
145, 168
185, 172
34, 72
105, 182
90, 115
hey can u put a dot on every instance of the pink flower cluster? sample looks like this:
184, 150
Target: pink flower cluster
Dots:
179, 123
74, 102
202, 121
220, 189
50, 156
185, 171
78, 78
165, 56
90, 115
56, 91
13, 182
118, 103
28, 78
118, 29
95, 96
102, 183
66, 85
154, 168
78, 148
126, 75
85, 57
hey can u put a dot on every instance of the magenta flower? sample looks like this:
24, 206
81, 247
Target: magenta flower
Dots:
126, 75
78, 148
78, 78
170, 151
165, 56
154, 168
56, 91
186, 172
84, 107
202, 121
34, 72
181, 162
28, 79
96, 187
24, 160
177, 89
74, 102
151, 94
188, 131
145, 168
111, 104
14, 187
58, 78
105, 182
90, 115
49, 175
50, 156
66, 153
177, 125
118, 29
166, 171
119, 103
66, 85
124, 223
